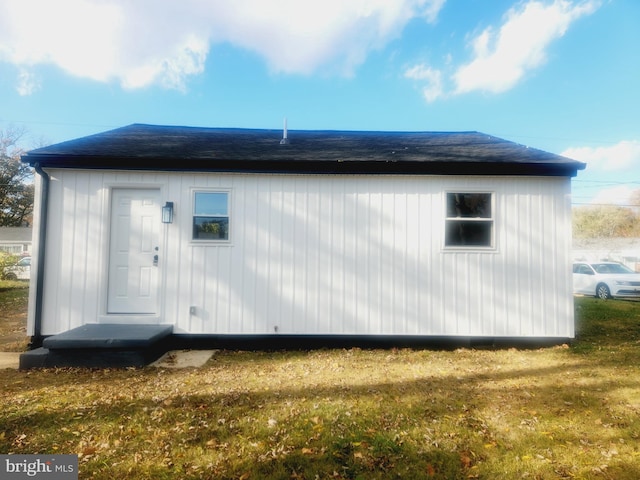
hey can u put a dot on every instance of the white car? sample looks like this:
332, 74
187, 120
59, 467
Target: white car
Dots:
605, 280
19, 271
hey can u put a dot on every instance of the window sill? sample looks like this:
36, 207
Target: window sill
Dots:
211, 243
469, 249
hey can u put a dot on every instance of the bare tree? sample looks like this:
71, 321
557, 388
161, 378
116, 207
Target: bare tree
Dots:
16, 181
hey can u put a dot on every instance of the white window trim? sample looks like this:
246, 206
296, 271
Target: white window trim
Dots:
470, 248
211, 241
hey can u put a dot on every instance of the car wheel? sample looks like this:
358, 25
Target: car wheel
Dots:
603, 292
10, 276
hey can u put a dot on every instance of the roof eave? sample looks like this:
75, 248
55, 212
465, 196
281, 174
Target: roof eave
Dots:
286, 166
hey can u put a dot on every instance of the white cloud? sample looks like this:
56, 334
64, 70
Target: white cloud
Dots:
614, 168
502, 57
27, 83
620, 195
432, 9
624, 155
433, 78
161, 42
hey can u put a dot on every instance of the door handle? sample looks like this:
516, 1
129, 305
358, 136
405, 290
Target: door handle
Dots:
155, 260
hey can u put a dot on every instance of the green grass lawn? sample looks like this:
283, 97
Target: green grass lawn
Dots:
561, 412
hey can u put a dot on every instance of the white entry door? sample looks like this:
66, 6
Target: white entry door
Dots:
134, 250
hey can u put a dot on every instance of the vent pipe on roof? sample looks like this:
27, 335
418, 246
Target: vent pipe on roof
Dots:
285, 140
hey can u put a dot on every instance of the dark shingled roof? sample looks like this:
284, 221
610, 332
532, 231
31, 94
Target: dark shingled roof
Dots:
169, 148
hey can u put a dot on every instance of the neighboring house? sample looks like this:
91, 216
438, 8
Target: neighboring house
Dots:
16, 240
324, 233
621, 250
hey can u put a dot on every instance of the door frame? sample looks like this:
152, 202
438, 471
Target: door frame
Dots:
103, 291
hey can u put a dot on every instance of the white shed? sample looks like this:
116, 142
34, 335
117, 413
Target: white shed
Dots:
232, 234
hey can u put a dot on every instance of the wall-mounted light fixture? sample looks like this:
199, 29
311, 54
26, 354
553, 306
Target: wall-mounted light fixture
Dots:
167, 212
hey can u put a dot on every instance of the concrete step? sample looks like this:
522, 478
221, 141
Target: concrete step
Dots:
101, 346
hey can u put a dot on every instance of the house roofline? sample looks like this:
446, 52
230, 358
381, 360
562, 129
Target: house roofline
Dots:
306, 166
149, 147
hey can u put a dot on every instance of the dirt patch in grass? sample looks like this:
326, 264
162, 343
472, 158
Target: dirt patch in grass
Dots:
13, 316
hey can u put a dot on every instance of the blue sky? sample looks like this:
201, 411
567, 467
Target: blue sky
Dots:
559, 75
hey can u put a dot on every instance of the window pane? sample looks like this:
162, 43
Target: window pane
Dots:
212, 204
210, 228
461, 233
469, 205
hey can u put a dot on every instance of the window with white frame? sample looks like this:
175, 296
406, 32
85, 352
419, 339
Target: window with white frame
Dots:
211, 215
469, 220
13, 249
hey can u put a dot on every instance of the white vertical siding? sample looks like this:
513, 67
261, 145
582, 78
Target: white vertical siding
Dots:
325, 255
